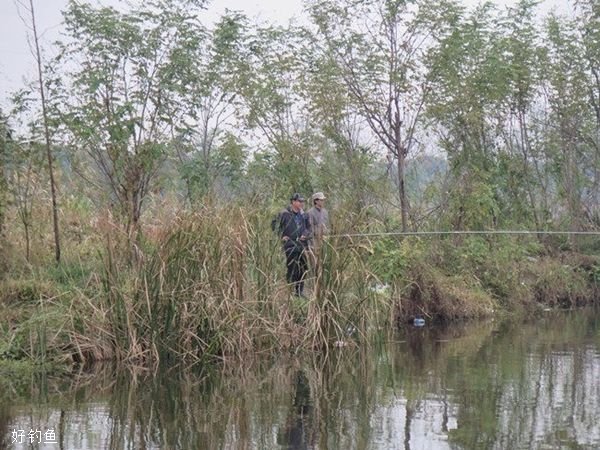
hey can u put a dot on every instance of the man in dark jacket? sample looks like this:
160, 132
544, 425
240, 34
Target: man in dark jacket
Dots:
294, 228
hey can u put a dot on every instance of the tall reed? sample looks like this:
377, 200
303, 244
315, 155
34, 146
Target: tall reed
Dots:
212, 285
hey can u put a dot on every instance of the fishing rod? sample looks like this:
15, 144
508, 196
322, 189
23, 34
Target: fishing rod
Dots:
466, 232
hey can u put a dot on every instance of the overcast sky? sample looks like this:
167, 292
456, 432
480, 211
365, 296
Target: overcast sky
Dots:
16, 60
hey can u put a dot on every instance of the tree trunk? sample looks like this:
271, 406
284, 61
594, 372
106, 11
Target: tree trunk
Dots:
3, 183
525, 146
47, 138
402, 191
132, 211
570, 179
400, 158
27, 242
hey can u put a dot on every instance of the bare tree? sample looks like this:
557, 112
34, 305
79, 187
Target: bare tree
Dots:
35, 46
4, 139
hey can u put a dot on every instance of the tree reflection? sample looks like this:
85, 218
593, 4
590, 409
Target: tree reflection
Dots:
477, 386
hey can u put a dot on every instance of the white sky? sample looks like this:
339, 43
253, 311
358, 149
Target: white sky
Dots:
16, 60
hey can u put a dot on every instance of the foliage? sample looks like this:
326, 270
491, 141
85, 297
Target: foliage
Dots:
269, 72
380, 71
124, 99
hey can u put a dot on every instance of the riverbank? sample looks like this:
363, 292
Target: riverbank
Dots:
212, 286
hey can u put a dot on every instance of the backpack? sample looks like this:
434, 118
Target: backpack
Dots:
275, 223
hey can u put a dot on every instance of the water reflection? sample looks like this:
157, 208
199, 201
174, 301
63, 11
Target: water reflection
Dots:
299, 431
486, 386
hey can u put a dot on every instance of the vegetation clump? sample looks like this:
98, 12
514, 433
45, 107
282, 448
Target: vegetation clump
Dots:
431, 128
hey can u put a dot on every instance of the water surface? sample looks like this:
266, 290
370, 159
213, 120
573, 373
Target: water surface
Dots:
486, 385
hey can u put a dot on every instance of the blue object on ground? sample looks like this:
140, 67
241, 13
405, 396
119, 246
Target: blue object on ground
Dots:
419, 322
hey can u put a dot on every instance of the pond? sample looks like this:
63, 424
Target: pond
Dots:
491, 385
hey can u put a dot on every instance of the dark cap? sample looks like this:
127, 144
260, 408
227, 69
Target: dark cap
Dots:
297, 197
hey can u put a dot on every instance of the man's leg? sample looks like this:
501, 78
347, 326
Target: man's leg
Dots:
295, 266
302, 272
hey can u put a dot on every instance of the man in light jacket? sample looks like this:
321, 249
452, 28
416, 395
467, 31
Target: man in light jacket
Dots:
319, 218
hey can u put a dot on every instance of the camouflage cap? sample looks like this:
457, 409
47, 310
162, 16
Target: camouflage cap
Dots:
297, 197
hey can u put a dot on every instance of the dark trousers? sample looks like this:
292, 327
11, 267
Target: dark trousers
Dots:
297, 267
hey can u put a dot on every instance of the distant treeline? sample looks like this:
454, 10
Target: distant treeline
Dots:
151, 101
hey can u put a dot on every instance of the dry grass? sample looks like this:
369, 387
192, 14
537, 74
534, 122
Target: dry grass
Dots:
564, 284
211, 284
